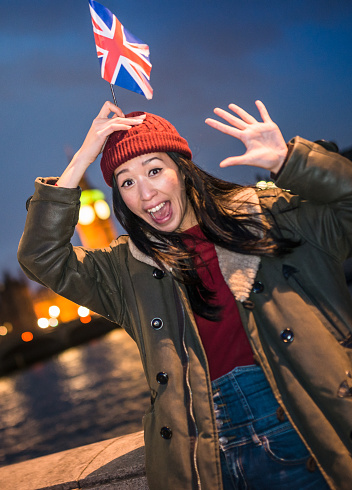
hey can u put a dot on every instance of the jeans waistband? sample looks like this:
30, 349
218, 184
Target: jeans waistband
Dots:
244, 395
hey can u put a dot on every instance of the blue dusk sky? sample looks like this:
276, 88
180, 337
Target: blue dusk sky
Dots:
294, 56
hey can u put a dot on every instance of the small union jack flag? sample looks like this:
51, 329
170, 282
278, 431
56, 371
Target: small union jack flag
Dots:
124, 59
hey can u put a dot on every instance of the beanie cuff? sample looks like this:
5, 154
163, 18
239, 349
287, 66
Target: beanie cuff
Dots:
155, 134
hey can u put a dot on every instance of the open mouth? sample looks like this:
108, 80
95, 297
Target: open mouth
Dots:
161, 212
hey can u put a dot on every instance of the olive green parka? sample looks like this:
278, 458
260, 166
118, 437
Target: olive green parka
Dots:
296, 311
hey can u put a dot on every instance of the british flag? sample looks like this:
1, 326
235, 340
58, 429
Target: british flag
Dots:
124, 59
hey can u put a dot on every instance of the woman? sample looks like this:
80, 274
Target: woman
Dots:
235, 297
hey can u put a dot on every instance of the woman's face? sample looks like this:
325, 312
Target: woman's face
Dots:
152, 187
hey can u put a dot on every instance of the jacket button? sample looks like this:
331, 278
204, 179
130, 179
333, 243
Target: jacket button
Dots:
311, 464
280, 414
258, 287
166, 433
162, 378
158, 273
287, 335
249, 305
157, 323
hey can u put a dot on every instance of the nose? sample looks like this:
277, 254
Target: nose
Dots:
146, 190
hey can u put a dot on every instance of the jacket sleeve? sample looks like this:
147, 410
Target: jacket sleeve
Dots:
322, 206
47, 256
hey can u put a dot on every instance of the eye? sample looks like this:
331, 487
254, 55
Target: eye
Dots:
127, 183
154, 171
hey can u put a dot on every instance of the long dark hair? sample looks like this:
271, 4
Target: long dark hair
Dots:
212, 200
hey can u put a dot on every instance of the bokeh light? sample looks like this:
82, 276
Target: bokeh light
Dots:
27, 336
86, 215
86, 319
9, 326
102, 209
83, 311
43, 322
54, 311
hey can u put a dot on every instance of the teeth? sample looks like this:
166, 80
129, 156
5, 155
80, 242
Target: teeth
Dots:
159, 206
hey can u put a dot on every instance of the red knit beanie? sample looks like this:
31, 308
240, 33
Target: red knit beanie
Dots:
155, 134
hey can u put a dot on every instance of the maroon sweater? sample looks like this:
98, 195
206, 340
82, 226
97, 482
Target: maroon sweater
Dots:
225, 342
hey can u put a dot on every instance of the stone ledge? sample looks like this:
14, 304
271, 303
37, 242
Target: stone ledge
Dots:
112, 464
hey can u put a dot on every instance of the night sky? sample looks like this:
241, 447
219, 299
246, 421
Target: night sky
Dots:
294, 56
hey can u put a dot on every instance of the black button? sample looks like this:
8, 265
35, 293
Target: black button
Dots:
166, 432
158, 273
162, 378
258, 287
157, 323
249, 305
287, 335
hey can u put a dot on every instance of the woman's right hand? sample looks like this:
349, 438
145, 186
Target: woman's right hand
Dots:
102, 126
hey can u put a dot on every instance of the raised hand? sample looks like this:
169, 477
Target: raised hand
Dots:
102, 126
265, 145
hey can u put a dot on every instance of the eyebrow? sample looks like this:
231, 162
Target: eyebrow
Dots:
143, 163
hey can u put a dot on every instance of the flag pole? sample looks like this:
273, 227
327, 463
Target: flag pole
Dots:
113, 94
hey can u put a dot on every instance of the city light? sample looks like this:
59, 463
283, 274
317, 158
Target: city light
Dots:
86, 215
53, 322
86, 319
83, 311
54, 311
102, 209
3, 330
43, 322
27, 336
8, 326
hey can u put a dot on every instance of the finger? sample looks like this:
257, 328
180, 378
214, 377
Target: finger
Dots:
233, 161
230, 118
242, 113
109, 107
263, 111
112, 128
134, 119
117, 123
126, 120
224, 128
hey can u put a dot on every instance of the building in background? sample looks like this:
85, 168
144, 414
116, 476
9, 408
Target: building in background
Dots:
26, 313
95, 227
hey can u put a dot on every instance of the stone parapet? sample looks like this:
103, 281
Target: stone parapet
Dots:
112, 464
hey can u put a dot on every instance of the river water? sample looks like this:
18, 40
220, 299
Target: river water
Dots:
84, 395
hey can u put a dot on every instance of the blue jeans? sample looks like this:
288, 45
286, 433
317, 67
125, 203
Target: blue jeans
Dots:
259, 448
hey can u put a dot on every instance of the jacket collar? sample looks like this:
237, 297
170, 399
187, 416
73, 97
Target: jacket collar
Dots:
238, 270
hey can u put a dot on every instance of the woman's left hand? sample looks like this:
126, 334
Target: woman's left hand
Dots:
266, 147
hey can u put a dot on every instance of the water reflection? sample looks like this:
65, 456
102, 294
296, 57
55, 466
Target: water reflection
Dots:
84, 395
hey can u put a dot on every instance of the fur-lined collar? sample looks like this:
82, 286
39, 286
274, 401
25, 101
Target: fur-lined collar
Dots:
238, 270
